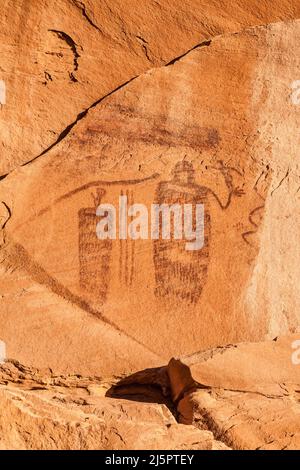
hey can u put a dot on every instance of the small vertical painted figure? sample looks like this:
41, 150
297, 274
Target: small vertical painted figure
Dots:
94, 254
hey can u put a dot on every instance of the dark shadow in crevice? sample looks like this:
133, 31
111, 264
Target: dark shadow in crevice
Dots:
147, 386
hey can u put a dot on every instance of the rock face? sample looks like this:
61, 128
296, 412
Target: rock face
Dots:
108, 111
59, 60
42, 411
206, 129
247, 394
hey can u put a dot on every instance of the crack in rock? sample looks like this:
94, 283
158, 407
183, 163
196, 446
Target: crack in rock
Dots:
84, 113
281, 181
201, 44
73, 46
144, 44
81, 6
79, 117
9, 214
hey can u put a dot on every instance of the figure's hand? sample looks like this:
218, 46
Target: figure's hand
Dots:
238, 192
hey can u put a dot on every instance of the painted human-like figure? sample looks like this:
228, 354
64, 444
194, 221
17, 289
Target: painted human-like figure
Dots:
182, 274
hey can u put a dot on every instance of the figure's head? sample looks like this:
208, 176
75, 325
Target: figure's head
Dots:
184, 172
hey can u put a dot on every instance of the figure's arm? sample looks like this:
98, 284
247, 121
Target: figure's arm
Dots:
232, 191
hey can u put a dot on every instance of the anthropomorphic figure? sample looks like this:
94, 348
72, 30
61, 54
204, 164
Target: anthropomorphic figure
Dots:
181, 274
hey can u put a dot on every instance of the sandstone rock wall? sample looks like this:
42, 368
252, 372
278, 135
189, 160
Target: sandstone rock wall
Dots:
157, 102
60, 57
221, 117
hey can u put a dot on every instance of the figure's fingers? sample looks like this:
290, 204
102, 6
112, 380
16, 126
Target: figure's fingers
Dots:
239, 192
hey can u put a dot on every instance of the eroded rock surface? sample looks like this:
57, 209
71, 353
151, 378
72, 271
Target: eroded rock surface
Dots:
159, 102
42, 411
206, 129
61, 58
209, 401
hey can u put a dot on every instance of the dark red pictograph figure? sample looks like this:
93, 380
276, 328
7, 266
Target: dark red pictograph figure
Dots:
94, 254
181, 274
